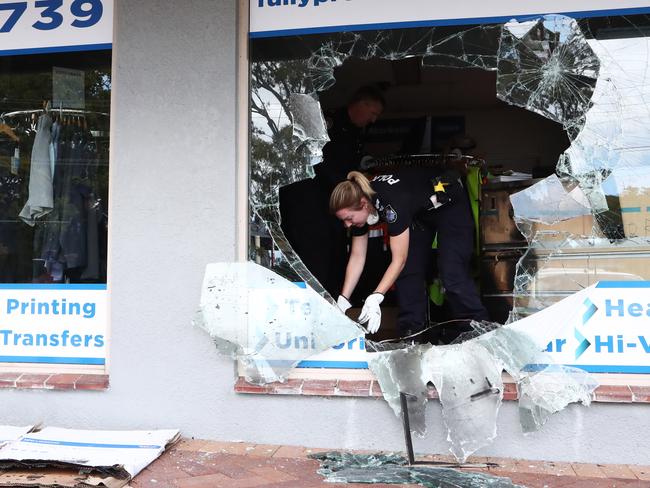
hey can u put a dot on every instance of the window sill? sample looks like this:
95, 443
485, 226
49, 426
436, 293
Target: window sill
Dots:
56, 381
612, 389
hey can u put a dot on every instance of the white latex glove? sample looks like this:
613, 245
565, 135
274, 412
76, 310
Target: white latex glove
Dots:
371, 312
343, 303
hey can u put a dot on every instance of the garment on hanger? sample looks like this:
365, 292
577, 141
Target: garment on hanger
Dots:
54, 144
40, 199
65, 242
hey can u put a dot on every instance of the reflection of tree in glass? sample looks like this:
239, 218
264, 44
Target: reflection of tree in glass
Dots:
274, 160
27, 91
98, 85
24, 91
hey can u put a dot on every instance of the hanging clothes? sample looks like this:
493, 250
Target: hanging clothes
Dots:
13, 233
62, 242
54, 144
40, 201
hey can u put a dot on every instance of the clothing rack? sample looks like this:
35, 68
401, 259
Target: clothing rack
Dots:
81, 117
421, 160
67, 111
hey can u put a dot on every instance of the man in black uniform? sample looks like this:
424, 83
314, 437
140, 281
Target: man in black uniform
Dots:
345, 129
312, 231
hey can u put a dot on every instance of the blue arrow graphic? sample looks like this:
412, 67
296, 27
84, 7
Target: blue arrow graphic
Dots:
584, 343
591, 310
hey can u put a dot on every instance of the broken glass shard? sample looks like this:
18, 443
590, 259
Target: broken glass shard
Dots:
467, 377
549, 390
342, 467
401, 371
550, 70
284, 322
549, 202
469, 385
309, 128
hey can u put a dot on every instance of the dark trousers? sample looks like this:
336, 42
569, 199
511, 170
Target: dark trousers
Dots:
455, 245
318, 237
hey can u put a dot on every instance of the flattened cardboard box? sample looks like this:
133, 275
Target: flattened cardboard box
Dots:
58, 478
80, 458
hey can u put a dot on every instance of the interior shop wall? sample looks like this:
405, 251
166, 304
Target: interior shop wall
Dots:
515, 138
509, 136
172, 212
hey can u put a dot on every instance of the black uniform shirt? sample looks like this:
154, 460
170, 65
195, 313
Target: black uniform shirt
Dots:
407, 193
343, 152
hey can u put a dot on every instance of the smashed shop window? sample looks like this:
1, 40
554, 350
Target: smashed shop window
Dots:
543, 127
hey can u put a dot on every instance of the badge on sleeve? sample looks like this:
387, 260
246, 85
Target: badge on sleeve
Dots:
390, 214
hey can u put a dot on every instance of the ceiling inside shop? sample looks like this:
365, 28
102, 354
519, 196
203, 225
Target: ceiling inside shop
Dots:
412, 88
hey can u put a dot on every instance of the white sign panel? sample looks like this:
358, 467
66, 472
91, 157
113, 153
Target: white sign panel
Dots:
53, 324
347, 355
603, 329
272, 18
288, 324
28, 27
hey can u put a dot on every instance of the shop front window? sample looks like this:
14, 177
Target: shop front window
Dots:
548, 115
54, 114
549, 109
55, 94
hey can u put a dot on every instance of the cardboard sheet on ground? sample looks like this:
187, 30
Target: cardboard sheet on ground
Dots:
73, 458
10, 433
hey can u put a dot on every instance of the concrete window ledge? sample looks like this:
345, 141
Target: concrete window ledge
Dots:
55, 381
606, 392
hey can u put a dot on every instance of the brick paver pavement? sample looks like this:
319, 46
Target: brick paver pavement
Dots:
208, 464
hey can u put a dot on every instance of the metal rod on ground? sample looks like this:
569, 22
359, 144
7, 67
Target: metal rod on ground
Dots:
406, 424
407, 428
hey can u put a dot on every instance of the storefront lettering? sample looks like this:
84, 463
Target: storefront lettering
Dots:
558, 345
64, 339
299, 342
300, 3
86, 12
633, 309
361, 344
285, 340
619, 345
53, 307
298, 306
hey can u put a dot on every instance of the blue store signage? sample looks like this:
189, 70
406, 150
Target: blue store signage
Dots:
53, 323
602, 329
274, 18
40, 26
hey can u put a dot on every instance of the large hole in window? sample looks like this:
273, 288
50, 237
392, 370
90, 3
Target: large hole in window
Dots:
434, 110
505, 96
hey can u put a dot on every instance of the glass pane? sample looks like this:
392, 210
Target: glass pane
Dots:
561, 148
54, 140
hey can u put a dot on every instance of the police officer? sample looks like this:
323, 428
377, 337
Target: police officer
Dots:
312, 231
416, 203
344, 151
